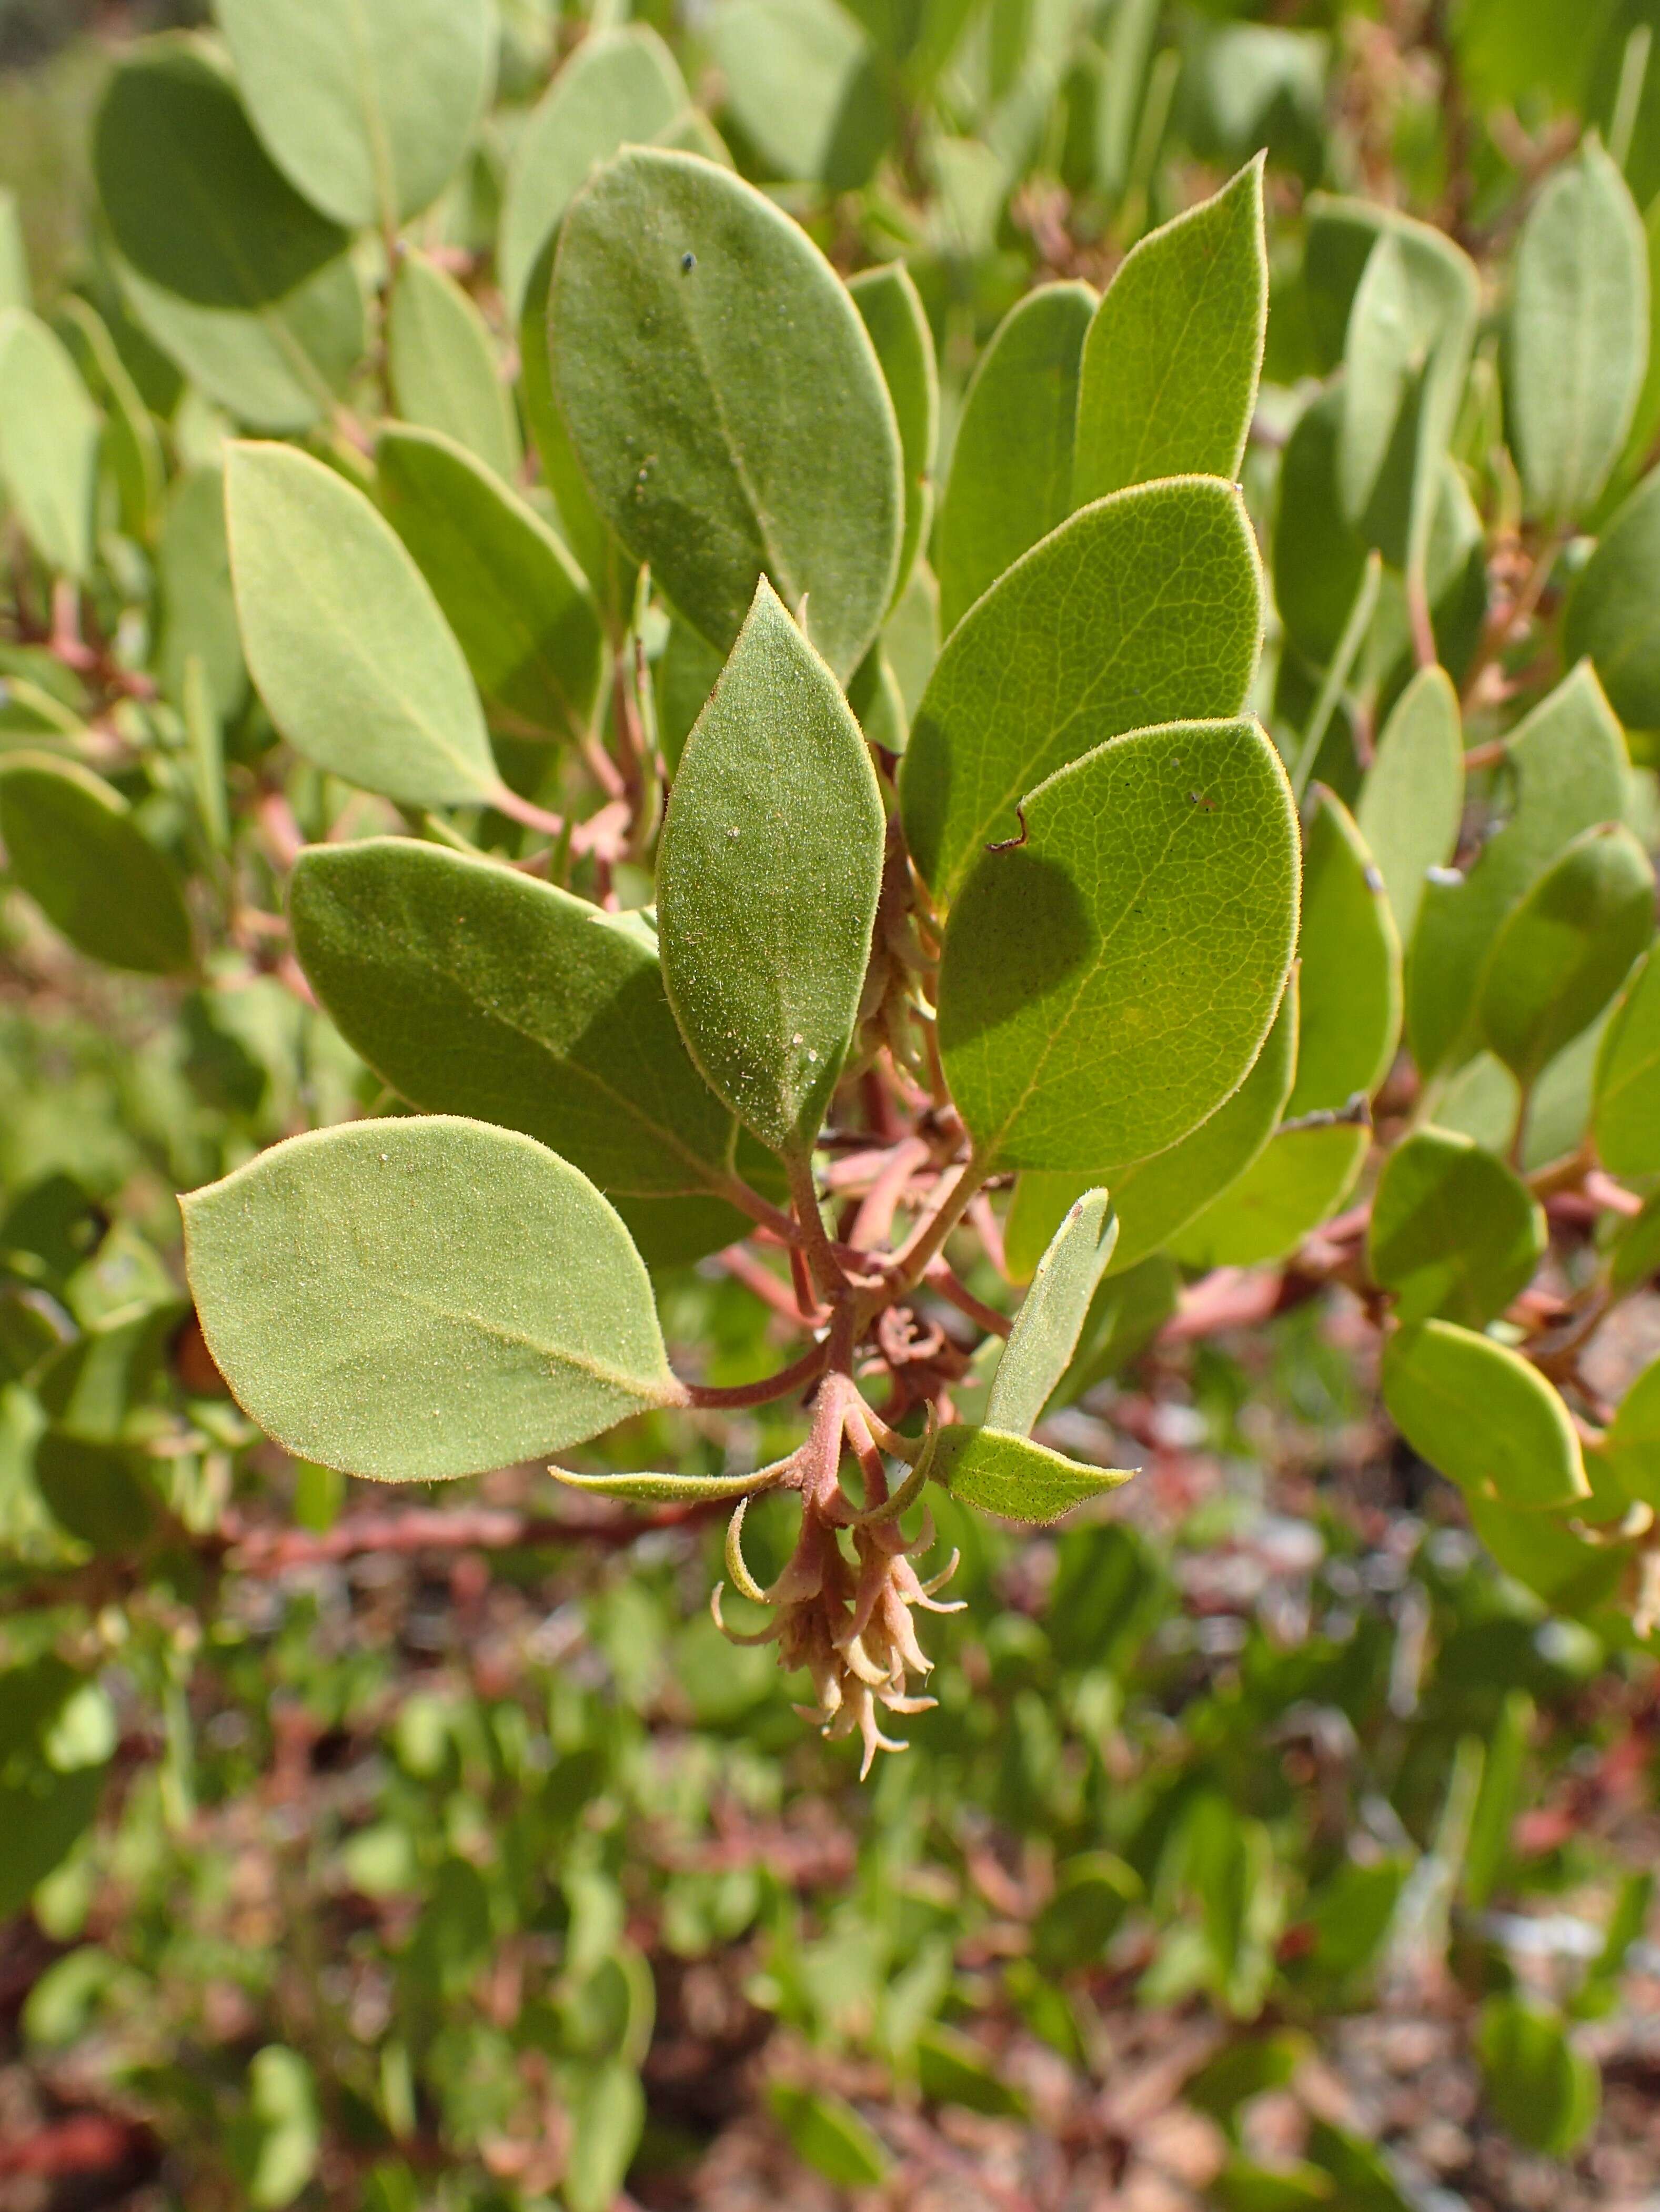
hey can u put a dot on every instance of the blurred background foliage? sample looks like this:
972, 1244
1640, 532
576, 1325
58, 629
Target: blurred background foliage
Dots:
1271, 1846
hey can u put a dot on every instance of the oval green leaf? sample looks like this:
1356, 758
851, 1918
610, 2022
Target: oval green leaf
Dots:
710, 362
1299, 1180
50, 434
412, 1300
1014, 1477
1142, 609
803, 87
1349, 980
472, 989
442, 365
1632, 1439
73, 846
768, 877
1480, 1413
1047, 1327
892, 311
1109, 980
344, 638
1614, 610
1167, 384
1453, 1231
1626, 1114
1412, 801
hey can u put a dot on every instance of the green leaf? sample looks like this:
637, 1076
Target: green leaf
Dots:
275, 2149
1349, 980
666, 1489
1242, 2186
1541, 1552
1578, 334
1047, 1328
198, 607
1634, 1255
1613, 610
1540, 2086
442, 365
1144, 609
345, 639
368, 105
1632, 1441
892, 308
95, 1491
15, 287
710, 362
473, 989
608, 2112
620, 88
826, 2133
1297, 1181
1013, 1477
194, 203
1092, 1894
768, 876
1011, 468
1412, 801
132, 445
1453, 1231
951, 2069
1100, 997
1483, 1416
1168, 377
412, 1300
49, 443
1566, 948
1627, 1093
804, 86
73, 846
1568, 761
518, 605
1156, 1198
284, 366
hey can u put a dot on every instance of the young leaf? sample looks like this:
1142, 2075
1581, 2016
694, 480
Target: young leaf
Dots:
1046, 1330
1296, 1182
1613, 610
1627, 1093
620, 88
442, 365
1157, 1197
345, 639
367, 105
1109, 980
1142, 609
518, 605
768, 877
1566, 948
280, 367
1011, 466
74, 847
472, 989
49, 444
786, 451
194, 203
1481, 1415
1013, 1477
417, 1300
664, 1489
1568, 759
1632, 1439
1413, 800
1349, 981
804, 86
1168, 378
1579, 334
888, 301
1453, 1231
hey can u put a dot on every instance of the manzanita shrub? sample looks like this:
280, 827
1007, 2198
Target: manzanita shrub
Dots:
1000, 861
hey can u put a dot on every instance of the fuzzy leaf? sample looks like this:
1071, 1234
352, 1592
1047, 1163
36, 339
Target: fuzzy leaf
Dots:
1142, 609
194, 203
345, 639
1614, 610
768, 877
1413, 800
518, 605
1453, 1231
1566, 948
368, 105
1012, 1477
1109, 981
1578, 334
664, 1489
1046, 1329
442, 365
620, 88
472, 989
710, 362
1168, 378
1481, 1415
888, 301
1627, 1094
72, 845
1349, 981
49, 444
1299, 1180
411, 1300
1010, 469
